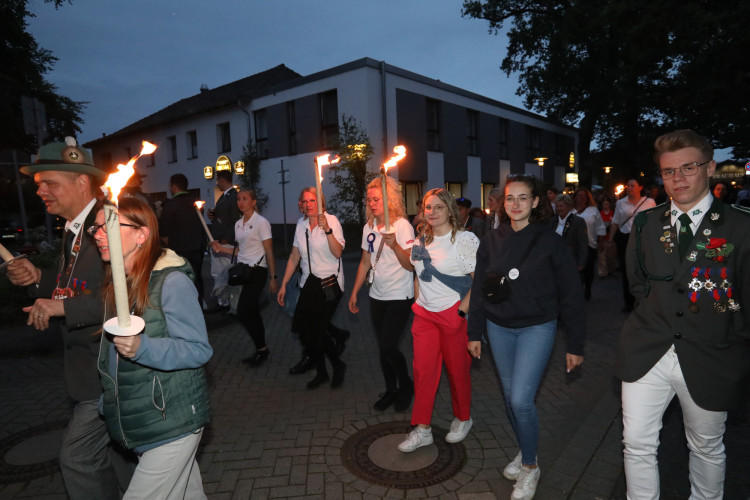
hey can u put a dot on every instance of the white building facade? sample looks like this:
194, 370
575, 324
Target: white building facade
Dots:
455, 139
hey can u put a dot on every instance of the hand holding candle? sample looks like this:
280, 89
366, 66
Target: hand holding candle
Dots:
198, 206
5, 254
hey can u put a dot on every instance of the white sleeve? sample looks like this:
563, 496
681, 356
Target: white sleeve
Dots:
338, 232
264, 230
465, 251
405, 234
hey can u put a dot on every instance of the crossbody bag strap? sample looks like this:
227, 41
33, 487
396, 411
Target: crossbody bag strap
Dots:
532, 244
380, 250
307, 243
643, 199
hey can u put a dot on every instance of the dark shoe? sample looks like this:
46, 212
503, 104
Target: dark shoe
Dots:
258, 358
385, 401
338, 375
340, 337
305, 364
403, 397
320, 378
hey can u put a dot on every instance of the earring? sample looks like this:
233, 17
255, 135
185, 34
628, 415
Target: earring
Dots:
139, 245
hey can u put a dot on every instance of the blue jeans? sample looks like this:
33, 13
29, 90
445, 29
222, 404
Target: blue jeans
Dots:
521, 355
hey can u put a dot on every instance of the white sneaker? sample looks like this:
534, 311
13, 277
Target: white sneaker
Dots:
417, 438
513, 469
525, 486
459, 430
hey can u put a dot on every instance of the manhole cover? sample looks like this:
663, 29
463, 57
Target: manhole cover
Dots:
31, 453
371, 454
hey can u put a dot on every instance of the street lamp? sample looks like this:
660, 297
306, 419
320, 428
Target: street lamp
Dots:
540, 162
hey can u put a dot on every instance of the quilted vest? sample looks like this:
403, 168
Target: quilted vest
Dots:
143, 405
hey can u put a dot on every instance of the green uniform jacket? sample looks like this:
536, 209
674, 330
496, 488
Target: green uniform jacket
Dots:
700, 304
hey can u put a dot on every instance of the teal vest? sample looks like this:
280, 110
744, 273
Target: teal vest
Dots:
143, 405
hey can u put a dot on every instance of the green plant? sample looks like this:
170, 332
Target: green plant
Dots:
251, 178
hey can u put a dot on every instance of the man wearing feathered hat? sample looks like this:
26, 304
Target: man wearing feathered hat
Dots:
67, 297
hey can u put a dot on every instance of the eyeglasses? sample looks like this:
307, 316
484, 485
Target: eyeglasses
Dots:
92, 230
308, 202
372, 200
687, 170
434, 208
523, 199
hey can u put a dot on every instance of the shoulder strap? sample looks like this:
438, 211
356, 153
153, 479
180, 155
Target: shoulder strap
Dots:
532, 244
380, 250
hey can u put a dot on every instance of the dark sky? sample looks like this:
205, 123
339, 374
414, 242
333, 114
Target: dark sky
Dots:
130, 58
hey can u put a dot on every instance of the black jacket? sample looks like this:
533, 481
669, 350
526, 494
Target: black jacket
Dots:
181, 225
547, 287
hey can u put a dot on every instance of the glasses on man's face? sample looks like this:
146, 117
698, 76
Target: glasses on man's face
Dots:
92, 230
523, 199
434, 208
687, 170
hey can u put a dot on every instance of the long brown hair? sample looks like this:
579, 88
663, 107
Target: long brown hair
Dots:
145, 257
542, 211
424, 229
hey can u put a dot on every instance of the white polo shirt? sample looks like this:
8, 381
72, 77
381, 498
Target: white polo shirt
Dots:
250, 236
392, 281
324, 263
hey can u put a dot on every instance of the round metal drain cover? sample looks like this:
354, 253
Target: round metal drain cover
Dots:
31, 453
371, 454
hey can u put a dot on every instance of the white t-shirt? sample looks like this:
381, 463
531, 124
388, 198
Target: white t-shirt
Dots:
594, 224
452, 258
250, 236
624, 209
324, 263
392, 281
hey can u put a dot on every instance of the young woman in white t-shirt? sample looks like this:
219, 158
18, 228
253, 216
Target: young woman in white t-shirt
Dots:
444, 257
392, 289
255, 248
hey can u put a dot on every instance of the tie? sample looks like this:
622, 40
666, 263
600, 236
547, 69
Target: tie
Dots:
67, 245
686, 234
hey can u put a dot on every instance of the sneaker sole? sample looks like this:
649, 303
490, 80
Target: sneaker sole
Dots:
422, 445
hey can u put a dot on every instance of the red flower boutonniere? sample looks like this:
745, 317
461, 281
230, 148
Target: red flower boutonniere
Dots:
717, 249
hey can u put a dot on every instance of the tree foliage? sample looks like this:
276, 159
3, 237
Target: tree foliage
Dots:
22, 74
251, 178
350, 176
624, 72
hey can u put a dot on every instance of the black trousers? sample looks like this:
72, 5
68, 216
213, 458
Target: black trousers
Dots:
248, 307
588, 269
621, 242
389, 317
312, 319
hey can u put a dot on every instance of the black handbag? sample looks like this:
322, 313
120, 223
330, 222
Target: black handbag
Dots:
496, 287
241, 273
330, 285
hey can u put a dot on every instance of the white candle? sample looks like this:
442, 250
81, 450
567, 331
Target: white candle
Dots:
117, 263
318, 188
5, 254
384, 180
198, 206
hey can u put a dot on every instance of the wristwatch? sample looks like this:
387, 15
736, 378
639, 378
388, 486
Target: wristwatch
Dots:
461, 313
274, 276
330, 231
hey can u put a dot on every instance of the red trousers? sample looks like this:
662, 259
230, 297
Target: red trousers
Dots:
440, 337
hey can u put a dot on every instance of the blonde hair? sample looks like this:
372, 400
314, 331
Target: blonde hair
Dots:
395, 199
424, 229
314, 191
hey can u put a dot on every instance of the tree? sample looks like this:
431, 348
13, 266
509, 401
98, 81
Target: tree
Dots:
615, 69
350, 176
22, 75
251, 178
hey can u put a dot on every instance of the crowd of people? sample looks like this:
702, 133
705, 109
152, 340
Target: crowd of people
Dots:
454, 275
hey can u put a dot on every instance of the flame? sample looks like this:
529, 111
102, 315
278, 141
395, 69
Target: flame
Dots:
324, 160
116, 181
393, 161
199, 204
619, 189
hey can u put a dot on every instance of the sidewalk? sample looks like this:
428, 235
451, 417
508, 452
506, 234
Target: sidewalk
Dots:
270, 437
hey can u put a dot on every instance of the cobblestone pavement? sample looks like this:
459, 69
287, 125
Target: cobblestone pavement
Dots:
270, 437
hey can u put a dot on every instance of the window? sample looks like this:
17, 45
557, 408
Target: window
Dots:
533, 143
192, 144
329, 118
454, 188
561, 150
223, 138
291, 127
412, 197
472, 127
172, 148
261, 133
503, 138
433, 125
